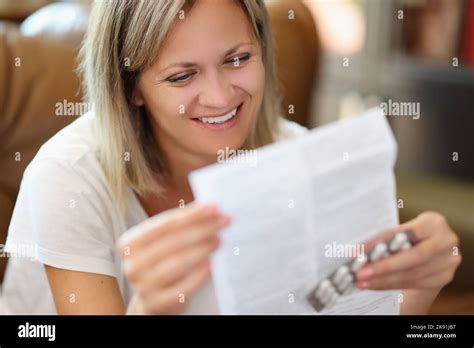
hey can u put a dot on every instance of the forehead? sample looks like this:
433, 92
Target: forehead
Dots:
208, 27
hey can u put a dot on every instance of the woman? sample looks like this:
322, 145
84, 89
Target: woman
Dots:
172, 82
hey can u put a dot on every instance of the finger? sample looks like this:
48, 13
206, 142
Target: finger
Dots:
402, 279
175, 299
369, 244
417, 225
176, 267
433, 280
151, 229
160, 249
411, 225
404, 260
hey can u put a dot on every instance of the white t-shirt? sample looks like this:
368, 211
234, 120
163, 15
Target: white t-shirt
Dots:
65, 217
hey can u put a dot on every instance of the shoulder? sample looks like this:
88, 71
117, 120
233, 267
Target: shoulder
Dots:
67, 157
66, 169
70, 143
289, 129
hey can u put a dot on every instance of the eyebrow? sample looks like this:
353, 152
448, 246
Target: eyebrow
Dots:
191, 64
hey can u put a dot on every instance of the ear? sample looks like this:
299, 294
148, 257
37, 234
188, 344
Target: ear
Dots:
137, 97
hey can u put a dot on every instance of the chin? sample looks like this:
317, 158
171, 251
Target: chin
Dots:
212, 148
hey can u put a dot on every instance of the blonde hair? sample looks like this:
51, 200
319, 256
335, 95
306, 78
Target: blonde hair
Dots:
123, 39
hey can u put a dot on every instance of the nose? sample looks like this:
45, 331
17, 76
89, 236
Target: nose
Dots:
216, 91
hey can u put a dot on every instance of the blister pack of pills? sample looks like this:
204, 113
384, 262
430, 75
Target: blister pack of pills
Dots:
342, 281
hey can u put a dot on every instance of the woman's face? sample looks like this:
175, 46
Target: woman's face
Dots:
205, 89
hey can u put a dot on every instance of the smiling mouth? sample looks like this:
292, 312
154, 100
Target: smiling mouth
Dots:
218, 119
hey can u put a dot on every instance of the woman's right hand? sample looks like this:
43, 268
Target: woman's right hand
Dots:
169, 261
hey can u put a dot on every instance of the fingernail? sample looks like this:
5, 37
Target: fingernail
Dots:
363, 285
210, 209
365, 273
224, 220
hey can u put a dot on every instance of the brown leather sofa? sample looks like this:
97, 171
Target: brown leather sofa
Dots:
46, 44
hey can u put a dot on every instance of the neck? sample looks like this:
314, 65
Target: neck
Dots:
179, 163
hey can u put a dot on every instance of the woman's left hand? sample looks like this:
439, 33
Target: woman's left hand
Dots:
429, 265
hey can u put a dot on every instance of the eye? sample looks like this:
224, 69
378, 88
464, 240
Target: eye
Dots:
181, 78
238, 59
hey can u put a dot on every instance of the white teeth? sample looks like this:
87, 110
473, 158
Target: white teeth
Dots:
220, 119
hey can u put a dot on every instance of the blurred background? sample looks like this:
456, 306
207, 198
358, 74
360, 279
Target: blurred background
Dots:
415, 51
335, 58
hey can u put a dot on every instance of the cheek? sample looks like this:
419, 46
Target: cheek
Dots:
251, 80
168, 104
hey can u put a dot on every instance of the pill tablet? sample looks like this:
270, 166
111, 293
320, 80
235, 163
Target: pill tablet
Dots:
360, 261
327, 296
397, 241
332, 301
350, 287
340, 273
322, 288
378, 252
405, 246
346, 281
